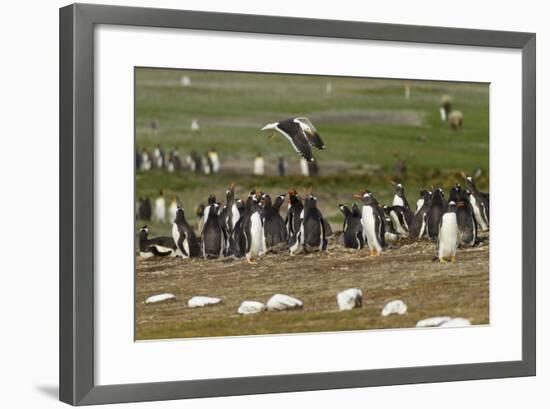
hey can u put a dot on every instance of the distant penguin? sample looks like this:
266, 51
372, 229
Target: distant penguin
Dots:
313, 236
418, 227
173, 208
448, 238
295, 207
275, 233
433, 217
480, 204
445, 107
157, 246
184, 236
467, 226
259, 165
213, 235
352, 228
372, 216
160, 208
401, 218
144, 209
399, 198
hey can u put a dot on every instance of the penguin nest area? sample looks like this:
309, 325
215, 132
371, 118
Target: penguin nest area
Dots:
406, 272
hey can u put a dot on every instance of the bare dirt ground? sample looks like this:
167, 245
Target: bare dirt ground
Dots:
406, 272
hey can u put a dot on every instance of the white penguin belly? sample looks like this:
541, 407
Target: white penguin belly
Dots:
369, 223
235, 215
397, 225
255, 236
448, 236
176, 237
419, 204
397, 201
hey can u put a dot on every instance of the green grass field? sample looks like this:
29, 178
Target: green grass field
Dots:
366, 125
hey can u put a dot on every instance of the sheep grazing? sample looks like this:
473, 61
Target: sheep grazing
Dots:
350, 299
445, 107
456, 120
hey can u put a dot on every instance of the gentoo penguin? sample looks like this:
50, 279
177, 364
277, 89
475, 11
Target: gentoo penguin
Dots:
301, 134
252, 242
418, 227
480, 203
295, 207
160, 208
184, 236
144, 209
353, 228
312, 229
420, 201
275, 233
279, 200
259, 165
399, 198
401, 218
173, 208
448, 239
206, 212
445, 108
230, 214
454, 193
433, 217
213, 235
372, 217
157, 246
467, 226
215, 160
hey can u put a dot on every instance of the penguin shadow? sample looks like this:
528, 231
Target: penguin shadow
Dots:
50, 391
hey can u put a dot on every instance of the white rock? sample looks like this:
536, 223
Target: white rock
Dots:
349, 299
456, 322
432, 322
281, 302
394, 307
251, 307
200, 301
159, 298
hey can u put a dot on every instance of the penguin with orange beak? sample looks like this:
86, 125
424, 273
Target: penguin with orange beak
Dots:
373, 218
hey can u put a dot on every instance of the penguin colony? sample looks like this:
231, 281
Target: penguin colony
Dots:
252, 227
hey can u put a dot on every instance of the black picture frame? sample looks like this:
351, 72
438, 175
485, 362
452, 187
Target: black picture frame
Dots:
76, 77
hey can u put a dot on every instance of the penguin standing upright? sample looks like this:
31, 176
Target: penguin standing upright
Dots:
206, 212
312, 230
448, 238
252, 242
399, 198
144, 209
353, 228
184, 236
433, 217
372, 217
480, 204
454, 193
418, 227
157, 246
275, 233
420, 201
160, 208
230, 214
467, 226
173, 208
213, 235
279, 200
295, 207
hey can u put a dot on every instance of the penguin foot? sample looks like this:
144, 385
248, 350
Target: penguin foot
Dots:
442, 260
453, 259
251, 262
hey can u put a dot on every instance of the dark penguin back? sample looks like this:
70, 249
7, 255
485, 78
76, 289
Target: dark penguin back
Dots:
314, 232
467, 226
437, 208
353, 228
293, 221
213, 237
186, 233
420, 217
274, 227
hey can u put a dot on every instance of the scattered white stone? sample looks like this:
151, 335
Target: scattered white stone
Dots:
432, 322
349, 299
200, 301
160, 298
456, 323
251, 307
394, 307
281, 302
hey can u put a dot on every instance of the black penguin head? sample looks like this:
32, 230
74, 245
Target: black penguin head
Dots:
454, 193
180, 215
266, 200
279, 200
366, 197
427, 195
293, 196
451, 207
230, 193
240, 205
399, 189
310, 201
345, 210
214, 209
387, 209
143, 232
211, 199
438, 194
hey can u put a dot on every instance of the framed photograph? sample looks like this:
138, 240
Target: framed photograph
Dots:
255, 204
